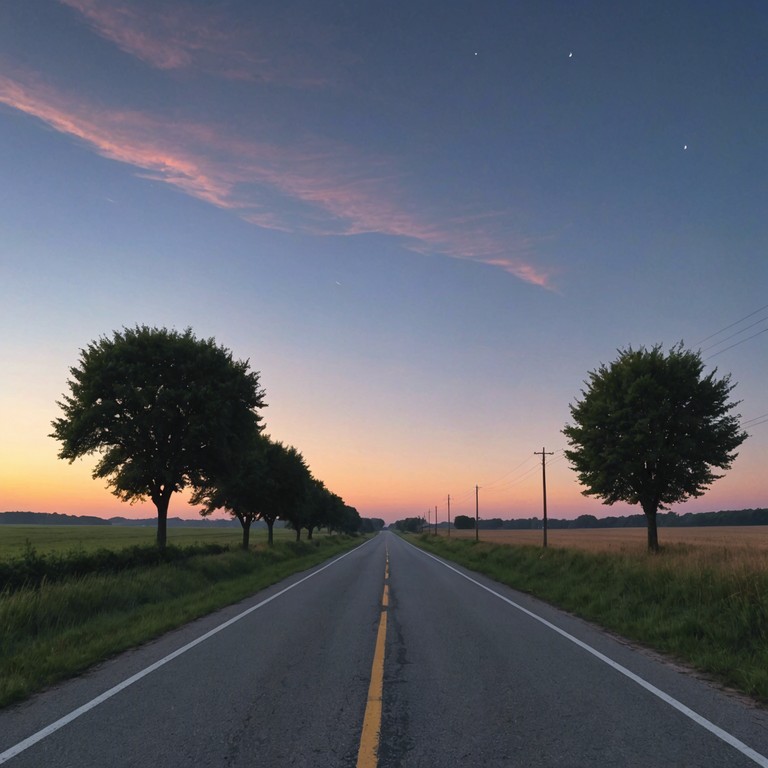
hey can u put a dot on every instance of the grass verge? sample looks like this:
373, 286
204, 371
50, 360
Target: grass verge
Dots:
59, 629
706, 607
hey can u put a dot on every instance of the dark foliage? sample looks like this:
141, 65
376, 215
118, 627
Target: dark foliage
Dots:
650, 429
163, 409
33, 569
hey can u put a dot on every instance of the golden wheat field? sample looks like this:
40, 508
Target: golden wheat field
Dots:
754, 537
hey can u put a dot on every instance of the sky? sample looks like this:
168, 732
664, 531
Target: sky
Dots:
423, 223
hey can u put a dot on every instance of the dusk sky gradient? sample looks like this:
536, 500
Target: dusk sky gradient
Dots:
424, 223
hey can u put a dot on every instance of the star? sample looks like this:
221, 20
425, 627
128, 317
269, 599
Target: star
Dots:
685, 146
570, 55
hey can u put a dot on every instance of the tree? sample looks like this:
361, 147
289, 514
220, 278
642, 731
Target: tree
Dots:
318, 502
287, 480
464, 522
239, 488
651, 428
351, 520
371, 524
410, 525
340, 517
165, 410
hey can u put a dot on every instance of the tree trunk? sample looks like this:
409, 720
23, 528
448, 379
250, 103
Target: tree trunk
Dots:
298, 534
309, 532
246, 533
653, 536
162, 500
270, 539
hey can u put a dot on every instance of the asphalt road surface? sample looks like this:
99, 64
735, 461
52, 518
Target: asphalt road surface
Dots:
472, 674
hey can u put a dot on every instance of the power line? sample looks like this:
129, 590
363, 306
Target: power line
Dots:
559, 456
717, 333
746, 422
502, 484
765, 330
506, 474
737, 333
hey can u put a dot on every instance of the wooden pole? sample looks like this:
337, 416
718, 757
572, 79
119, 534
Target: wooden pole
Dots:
544, 454
477, 516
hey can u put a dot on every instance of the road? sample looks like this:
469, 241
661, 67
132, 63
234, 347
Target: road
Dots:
472, 674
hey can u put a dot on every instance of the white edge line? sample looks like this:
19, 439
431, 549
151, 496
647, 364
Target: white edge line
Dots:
75, 713
729, 739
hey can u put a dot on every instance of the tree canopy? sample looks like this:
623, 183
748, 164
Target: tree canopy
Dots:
239, 487
286, 486
651, 428
165, 410
410, 524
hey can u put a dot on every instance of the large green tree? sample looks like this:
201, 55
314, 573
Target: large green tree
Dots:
319, 506
292, 488
165, 410
287, 482
240, 487
651, 428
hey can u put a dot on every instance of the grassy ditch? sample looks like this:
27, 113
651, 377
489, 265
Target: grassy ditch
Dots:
56, 629
707, 607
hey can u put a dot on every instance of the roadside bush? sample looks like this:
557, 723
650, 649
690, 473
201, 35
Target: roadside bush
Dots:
33, 569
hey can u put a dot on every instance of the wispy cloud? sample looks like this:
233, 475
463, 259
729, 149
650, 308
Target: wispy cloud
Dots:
316, 187
170, 35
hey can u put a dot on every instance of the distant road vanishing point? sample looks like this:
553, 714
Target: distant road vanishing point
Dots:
386, 656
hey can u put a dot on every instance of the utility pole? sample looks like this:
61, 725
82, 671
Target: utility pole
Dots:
544, 454
429, 519
435, 519
449, 515
477, 516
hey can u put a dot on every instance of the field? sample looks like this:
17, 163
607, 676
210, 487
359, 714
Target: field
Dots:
61, 539
744, 537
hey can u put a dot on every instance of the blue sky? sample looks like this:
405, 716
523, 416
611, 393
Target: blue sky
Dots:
424, 224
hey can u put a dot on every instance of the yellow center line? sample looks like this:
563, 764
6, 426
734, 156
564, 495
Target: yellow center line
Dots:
368, 754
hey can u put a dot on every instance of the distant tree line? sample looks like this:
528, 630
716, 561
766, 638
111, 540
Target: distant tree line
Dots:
410, 525
166, 411
49, 518
665, 520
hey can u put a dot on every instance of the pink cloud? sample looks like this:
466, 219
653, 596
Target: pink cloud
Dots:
174, 36
323, 189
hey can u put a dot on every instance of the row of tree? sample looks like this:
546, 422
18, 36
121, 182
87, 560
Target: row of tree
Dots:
268, 481
410, 525
167, 411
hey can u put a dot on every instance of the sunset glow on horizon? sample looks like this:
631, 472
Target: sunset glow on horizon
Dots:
424, 229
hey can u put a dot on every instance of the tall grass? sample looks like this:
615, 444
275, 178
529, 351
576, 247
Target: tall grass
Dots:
60, 628
705, 606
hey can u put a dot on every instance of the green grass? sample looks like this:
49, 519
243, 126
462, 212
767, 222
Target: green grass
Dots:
62, 628
706, 607
61, 539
